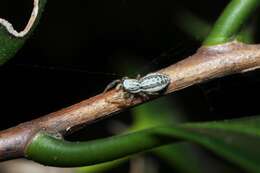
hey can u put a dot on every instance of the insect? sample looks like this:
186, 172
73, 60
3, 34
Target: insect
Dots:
151, 84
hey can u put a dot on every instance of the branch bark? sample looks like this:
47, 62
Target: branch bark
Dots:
207, 63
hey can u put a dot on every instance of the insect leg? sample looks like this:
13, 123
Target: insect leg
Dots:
119, 86
153, 93
138, 77
112, 85
143, 95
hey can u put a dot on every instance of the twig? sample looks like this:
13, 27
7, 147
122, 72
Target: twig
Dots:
207, 63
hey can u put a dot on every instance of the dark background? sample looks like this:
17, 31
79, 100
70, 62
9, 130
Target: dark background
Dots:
78, 44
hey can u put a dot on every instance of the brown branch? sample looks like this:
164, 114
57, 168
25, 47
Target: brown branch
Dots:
207, 63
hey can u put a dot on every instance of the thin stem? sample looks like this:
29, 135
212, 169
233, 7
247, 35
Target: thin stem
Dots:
231, 20
102, 167
49, 150
234, 140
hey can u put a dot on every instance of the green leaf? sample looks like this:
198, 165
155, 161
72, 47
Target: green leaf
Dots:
11, 40
235, 140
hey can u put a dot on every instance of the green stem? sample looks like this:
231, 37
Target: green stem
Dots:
231, 20
102, 167
235, 140
48, 150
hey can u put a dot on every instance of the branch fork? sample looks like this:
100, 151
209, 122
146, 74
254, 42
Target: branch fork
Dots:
208, 63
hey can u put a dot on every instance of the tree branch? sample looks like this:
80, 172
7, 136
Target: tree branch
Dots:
207, 63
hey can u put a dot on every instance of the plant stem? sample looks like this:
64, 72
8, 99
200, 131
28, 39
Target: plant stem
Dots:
234, 140
49, 150
207, 63
102, 167
231, 20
